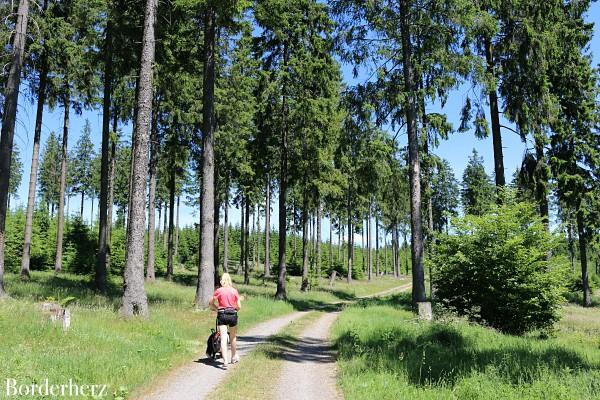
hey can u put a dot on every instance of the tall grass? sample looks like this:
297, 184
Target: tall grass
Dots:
386, 354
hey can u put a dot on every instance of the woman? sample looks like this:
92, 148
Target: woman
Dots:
226, 301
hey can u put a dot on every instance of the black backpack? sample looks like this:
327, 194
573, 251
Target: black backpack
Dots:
213, 344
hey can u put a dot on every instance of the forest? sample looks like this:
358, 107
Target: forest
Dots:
300, 179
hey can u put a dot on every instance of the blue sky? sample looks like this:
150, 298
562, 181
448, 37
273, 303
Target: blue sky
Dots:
456, 149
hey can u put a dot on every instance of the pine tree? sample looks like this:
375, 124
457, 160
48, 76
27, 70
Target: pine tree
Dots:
477, 190
80, 167
9, 117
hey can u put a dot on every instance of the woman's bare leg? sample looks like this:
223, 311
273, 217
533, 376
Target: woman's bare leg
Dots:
233, 339
223, 332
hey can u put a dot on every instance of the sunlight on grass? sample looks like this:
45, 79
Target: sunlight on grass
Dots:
386, 354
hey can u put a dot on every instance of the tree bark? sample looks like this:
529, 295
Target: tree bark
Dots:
26, 258
246, 241
206, 271
226, 231
111, 192
418, 288
60, 224
216, 235
242, 238
101, 270
134, 294
281, 292
177, 231
541, 181
495, 117
166, 227
377, 244
257, 234
395, 251
11, 100
318, 238
331, 242
587, 295
350, 238
171, 231
305, 244
268, 229
150, 272
369, 239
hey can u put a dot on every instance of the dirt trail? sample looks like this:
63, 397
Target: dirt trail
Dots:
199, 377
309, 366
309, 369
196, 379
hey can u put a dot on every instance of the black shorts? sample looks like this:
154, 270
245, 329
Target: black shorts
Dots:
227, 317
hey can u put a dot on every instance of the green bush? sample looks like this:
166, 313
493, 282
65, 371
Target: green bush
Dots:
497, 269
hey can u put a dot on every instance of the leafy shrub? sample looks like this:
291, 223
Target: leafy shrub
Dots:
497, 270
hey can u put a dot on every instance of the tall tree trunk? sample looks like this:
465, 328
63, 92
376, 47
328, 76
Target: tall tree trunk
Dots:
177, 231
171, 228
216, 228
369, 260
362, 248
405, 254
150, 272
257, 235
81, 205
294, 228
26, 258
377, 244
206, 270
318, 244
111, 192
60, 224
305, 244
253, 240
418, 287
166, 227
159, 204
226, 231
571, 244
134, 294
101, 259
242, 238
495, 117
268, 229
11, 100
541, 181
385, 253
350, 237
281, 292
587, 294
331, 242
247, 242
339, 247
395, 249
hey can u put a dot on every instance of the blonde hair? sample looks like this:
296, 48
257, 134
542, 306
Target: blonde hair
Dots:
226, 280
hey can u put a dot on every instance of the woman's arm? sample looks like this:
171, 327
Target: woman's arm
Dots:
212, 305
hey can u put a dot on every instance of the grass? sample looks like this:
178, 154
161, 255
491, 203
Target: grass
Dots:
384, 353
256, 377
103, 348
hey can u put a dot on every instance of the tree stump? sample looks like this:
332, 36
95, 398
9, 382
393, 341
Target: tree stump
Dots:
332, 278
54, 312
425, 313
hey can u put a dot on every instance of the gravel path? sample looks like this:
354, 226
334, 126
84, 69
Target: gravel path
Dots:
309, 370
196, 379
309, 366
